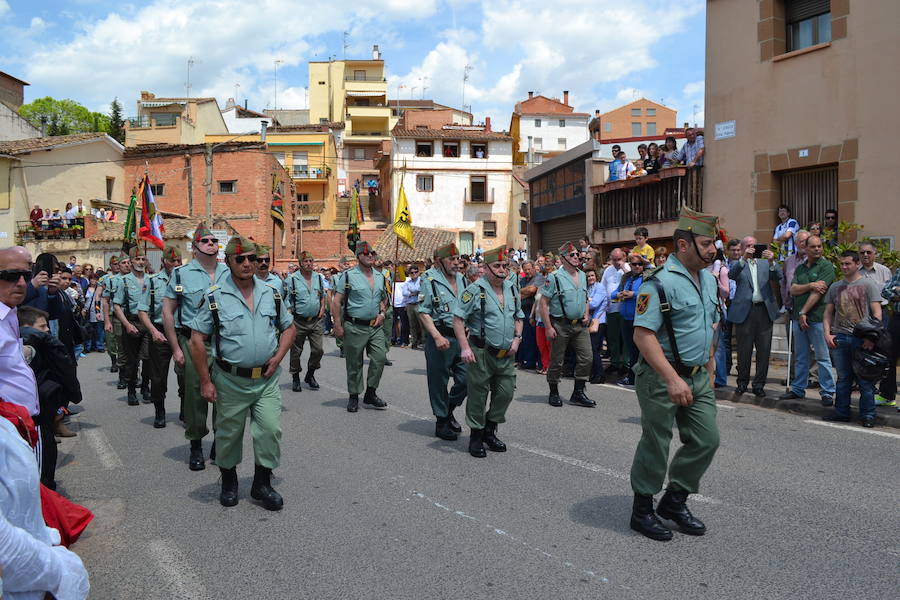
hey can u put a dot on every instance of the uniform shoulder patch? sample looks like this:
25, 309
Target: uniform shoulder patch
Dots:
643, 301
467, 296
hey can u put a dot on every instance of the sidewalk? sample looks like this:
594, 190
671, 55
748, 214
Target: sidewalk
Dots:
886, 416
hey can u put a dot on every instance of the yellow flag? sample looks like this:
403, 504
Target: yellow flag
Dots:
403, 219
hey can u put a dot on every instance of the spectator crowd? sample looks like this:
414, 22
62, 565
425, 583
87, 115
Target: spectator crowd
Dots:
653, 158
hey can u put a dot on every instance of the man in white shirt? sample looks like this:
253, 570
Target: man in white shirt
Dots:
17, 382
411, 289
612, 276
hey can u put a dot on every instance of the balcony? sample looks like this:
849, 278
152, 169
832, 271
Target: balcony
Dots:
649, 199
309, 173
365, 85
372, 112
65, 229
153, 120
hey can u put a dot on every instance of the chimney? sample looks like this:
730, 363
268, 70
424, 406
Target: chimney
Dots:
530, 95
245, 104
376, 53
145, 95
597, 112
686, 124
487, 123
263, 127
566, 97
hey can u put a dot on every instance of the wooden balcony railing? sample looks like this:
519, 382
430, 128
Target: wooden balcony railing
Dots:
649, 199
50, 229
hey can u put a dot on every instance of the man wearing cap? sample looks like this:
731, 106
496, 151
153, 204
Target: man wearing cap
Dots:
263, 269
491, 309
159, 352
358, 310
185, 290
440, 291
306, 299
251, 331
104, 293
675, 317
566, 314
134, 336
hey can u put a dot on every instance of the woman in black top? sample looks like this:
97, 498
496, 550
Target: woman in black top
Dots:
651, 163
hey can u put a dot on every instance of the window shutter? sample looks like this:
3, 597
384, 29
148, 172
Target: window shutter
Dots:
798, 10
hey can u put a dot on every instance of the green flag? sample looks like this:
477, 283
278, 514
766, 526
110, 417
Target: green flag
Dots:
129, 236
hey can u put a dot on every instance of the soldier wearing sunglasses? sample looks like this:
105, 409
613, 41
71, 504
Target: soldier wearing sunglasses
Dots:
263, 269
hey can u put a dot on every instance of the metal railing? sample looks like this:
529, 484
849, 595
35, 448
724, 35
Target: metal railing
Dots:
153, 120
649, 199
308, 173
354, 78
50, 229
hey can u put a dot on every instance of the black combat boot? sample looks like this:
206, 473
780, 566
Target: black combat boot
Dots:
453, 423
371, 400
159, 421
196, 462
132, 395
579, 398
310, 379
443, 431
490, 437
114, 368
476, 443
353, 403
145, 391
229, 494
295, 383
672, 506
262, 489
122, 384
212, 451
645, 521
554, 399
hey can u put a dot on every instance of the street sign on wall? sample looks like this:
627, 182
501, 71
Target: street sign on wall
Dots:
725, 130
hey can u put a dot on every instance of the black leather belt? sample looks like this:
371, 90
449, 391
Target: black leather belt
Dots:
306, 319
686, 371
493, 351
569, 321
363, 322
184, 332
445, 331
254, 373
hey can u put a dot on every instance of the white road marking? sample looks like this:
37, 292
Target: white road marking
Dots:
97, 440
181, 580
619, 388
853, 428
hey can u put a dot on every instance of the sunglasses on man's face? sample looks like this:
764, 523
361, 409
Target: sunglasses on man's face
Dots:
13, 275
209, 240
369, 253
240, 258
637, 264
264, 260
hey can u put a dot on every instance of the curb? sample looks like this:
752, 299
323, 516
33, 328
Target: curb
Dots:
887, 416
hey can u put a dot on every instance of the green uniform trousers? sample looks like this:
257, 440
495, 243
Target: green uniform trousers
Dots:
238, 397
696, 427
441, 366
159, 358
307, 330
579, 338
489, 374
387, 329
134, 351
118, 332
195, 408
359, 339
112, 341
415, 327
617, 358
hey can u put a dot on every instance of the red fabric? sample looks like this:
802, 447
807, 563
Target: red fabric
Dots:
68, 518
543, 345
19, 417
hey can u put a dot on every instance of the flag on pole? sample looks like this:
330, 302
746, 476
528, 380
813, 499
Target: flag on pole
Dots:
152, 227
277, 201
353, 228
129, 238
403, 219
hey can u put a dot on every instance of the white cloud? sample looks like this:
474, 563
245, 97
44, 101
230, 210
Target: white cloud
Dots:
694, 89
4, 8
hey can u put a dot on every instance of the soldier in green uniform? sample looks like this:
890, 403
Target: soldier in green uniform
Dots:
441, 287
385, 267
186, 288
358, 311
306, 298
343, 265
112, 342
252, 330
134, 336
566, 314
263, 271
113, 325
491, 309
159, 351
676, 311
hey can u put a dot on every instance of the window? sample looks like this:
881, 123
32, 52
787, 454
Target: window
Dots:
359, 75
466, 242
110, 186
538, 143
808, 23
228, 187
302, 197
635, 112
489, 229
479, 150
478, 185
523, 227
651, 128
810, 192
562, 122
537, 122
451, 149
651, 112
424, 183
635, 130
359, 154
561, 143
424, 149
607, 127
165, 119
158, 189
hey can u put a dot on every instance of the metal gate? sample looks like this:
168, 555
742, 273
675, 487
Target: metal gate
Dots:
809, 193
557, 232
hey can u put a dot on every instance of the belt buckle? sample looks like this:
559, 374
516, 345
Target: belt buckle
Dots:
573, 321
255, 372
179, 289
372, 322
695, 369
502, 354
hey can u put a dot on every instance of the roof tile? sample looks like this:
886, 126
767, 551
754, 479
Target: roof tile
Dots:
40, 143
450, 134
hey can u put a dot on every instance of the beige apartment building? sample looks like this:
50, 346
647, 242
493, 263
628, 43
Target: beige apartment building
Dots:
801, 110
173, 121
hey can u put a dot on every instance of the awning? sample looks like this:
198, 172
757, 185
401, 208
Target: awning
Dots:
366, 94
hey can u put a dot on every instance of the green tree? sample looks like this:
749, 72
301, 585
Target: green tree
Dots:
64, 116
116, 122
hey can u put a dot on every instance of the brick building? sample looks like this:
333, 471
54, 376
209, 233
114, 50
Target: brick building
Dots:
12, 90
242, 181
637, 119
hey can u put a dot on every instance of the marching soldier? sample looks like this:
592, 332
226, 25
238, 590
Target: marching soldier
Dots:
440, 292
186, 288
134, 335
159, 352
263, 269
251, 330
676, 311
491, 309
104, 293
566, 314
358, 310
306, 298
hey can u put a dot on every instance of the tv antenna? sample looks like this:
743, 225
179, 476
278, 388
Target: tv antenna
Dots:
466, 70
346, 43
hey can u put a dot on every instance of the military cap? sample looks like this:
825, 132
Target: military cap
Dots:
498, 254
698, 223
239, 245
201, 232
447, 251
344, 260
362, 247
566, 248
135, 251
172, 252
307, 254
262, 250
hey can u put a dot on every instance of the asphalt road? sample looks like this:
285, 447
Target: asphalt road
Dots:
376, 507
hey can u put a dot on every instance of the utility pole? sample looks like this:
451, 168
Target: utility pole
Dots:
187, 85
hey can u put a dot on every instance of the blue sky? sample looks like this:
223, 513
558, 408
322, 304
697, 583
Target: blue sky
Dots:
604, 52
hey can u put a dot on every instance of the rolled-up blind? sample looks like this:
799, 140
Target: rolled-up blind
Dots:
798, 10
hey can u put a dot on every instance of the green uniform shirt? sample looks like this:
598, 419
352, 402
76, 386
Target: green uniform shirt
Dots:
152, 296
499, 322
361, 300
128, 293
109, 282
274, 281
823, 270
194, 281
303, 297
567, 301
246, 338
694, 310
436, 297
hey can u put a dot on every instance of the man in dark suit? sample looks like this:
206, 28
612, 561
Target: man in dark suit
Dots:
753, 310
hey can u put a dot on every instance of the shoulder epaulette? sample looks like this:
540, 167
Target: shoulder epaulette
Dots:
652, 272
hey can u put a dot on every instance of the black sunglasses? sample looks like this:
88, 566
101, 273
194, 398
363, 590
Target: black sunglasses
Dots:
209, 241
13, 275
264, 260
240, 258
